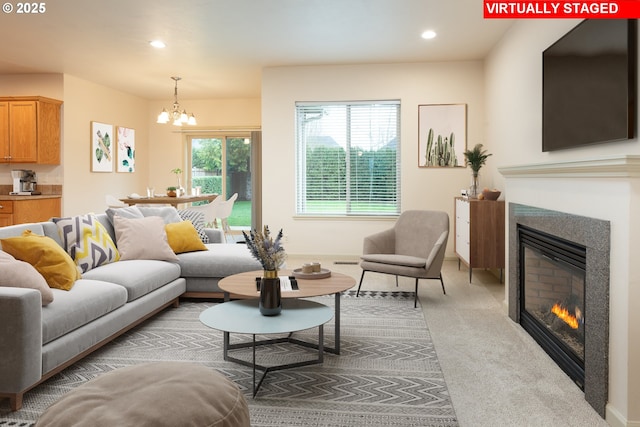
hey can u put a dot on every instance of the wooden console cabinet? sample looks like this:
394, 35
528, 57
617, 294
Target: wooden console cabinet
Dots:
30, 130
479, 233
28, 210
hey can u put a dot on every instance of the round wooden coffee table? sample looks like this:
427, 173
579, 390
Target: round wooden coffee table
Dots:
243, 285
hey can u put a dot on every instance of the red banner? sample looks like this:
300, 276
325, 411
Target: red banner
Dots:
620, 9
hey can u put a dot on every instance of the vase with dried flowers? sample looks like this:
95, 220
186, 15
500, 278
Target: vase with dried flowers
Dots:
476, 158
271, 255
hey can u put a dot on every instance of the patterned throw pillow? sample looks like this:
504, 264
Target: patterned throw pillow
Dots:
87, 241
197, 219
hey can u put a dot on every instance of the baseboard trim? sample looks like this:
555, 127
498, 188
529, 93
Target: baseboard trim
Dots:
615, 419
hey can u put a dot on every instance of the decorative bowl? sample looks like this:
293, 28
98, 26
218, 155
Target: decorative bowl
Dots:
323, 273
491, 194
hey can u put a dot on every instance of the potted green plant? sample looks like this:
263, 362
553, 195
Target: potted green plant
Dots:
179, 188
476, 158
171, 191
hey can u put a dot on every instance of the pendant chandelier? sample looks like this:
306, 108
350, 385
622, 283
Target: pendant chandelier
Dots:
177, 116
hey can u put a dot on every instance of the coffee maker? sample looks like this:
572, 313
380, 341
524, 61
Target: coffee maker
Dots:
24, 182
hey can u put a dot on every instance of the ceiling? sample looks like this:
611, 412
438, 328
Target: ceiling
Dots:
219, 47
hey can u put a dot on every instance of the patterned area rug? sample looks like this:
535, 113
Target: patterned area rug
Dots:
386, 375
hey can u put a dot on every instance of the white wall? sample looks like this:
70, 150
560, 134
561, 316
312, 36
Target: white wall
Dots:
84, 191
422, 188
513, 131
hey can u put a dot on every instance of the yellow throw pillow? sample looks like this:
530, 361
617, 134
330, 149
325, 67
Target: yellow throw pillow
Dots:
183, 237
51, 261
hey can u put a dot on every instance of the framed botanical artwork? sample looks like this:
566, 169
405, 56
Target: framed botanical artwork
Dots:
101, 147
442, 135
126, 143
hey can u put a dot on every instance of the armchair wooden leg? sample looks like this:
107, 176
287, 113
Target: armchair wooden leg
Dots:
415, 298
361, 277
442, 282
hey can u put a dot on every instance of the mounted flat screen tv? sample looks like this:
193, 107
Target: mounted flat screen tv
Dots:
589, 85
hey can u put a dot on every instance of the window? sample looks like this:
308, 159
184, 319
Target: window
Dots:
348, 158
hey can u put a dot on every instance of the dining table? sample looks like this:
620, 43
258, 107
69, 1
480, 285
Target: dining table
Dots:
166, 200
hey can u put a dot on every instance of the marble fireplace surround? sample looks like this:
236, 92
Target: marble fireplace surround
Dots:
594, 234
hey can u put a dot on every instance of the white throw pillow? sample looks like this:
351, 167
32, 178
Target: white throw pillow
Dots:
128, 212
169, 214
142, 238
20, 274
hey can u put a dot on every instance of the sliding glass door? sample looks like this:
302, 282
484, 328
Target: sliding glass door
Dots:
223, 163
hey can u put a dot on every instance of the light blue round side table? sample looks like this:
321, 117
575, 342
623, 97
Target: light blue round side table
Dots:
243, 317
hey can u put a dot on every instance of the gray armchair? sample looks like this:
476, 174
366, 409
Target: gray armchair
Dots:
414, 247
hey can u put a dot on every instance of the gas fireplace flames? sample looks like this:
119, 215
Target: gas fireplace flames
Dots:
573, 320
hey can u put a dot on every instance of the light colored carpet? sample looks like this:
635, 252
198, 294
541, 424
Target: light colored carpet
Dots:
497, 375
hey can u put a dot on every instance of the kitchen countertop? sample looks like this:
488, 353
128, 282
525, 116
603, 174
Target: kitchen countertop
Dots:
40, 196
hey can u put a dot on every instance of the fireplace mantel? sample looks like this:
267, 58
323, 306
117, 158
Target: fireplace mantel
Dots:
619, 166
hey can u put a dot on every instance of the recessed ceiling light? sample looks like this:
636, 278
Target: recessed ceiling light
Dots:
158, 44
429, 34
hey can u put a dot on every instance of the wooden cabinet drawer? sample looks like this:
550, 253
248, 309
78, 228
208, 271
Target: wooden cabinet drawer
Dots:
35, 210
6, 206
28, 210
6, 219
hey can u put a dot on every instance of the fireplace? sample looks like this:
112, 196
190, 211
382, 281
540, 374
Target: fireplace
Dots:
559, 291
552, 306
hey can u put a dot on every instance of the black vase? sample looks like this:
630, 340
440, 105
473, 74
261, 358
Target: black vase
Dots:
270, 297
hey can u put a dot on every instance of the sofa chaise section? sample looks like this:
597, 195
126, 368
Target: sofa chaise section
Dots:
203, 270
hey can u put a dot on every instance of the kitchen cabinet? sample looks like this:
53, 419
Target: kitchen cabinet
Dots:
6, 213
479, 233
28, 209
30, 130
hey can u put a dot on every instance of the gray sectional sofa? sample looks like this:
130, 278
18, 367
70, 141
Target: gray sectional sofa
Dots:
39, 341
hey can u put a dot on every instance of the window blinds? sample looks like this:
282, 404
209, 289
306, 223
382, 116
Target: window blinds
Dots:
348, 158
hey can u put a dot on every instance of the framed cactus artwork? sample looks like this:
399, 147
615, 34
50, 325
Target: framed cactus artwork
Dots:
442, 135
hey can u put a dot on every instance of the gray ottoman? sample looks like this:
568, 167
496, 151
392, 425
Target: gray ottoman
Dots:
153, 394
